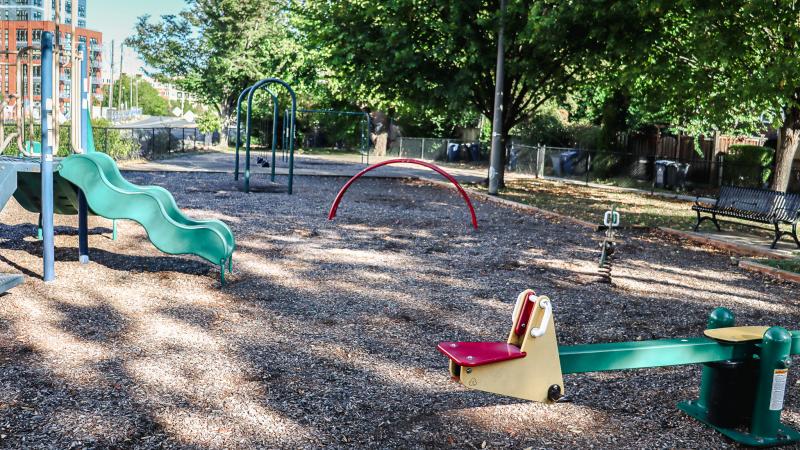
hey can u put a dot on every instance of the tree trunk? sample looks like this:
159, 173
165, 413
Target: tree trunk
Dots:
787, 149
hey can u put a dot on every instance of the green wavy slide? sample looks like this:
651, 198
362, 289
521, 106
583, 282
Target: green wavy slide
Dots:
111, 196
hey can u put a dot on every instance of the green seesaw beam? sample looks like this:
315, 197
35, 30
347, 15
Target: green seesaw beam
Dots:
656, 353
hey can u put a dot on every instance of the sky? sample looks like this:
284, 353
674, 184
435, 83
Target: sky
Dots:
116, 19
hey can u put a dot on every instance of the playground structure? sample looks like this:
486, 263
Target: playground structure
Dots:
9, 281
88, 182
364, 127
340, 195
608, 247
742, 386
289, 123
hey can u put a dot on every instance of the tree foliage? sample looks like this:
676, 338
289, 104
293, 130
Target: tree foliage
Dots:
440, 55
142, 92
216, 48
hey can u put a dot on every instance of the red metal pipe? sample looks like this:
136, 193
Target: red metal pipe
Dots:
461, 190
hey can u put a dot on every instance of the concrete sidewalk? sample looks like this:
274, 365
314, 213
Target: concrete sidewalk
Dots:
315, 165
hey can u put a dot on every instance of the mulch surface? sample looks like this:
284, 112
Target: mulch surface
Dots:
326, 333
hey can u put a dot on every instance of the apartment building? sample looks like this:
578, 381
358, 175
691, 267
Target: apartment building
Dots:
22, 23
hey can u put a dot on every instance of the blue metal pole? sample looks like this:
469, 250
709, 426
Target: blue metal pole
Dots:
83, 207
47, 104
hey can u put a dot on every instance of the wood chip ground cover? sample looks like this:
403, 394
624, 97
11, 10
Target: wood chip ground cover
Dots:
326, 334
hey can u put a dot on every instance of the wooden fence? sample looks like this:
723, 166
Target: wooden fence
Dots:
683, 147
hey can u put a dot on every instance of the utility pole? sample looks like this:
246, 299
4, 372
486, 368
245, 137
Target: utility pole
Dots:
111, 88
56, 98
121, 68
497, 155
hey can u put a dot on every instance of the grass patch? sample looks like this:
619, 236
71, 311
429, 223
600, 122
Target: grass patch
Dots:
637, 209
789, 265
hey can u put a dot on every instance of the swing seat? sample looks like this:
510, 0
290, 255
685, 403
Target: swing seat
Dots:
474, 354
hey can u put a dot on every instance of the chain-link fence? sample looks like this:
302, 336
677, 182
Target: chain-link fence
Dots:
438, 149
125, 143
695, 175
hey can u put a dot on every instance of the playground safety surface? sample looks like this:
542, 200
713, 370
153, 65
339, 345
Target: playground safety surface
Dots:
326, 334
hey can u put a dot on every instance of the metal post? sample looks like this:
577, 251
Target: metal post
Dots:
496, 158
239, 131
153, 141
275, 114
772, 377
183, 140
111, 86
588, 165
540, 155
83, 207
719, 318
169, 140
105, 139
48, 248
422, 150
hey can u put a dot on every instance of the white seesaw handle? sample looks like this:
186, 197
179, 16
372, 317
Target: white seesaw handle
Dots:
544, 303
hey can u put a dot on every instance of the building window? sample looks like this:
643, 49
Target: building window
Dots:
22, 35
22, 14
37, 35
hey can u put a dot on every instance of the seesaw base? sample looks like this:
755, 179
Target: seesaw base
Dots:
786, 435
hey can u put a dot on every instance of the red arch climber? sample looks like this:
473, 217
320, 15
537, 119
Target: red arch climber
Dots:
461, 190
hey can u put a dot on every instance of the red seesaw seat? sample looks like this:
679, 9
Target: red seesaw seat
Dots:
473, 354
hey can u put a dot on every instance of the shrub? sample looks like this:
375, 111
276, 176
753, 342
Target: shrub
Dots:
208, 123
748, 165
113, 142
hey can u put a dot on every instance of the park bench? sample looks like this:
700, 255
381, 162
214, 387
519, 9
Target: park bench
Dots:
756, 205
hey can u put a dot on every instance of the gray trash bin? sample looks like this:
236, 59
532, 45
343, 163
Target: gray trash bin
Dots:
661, 173
556, 164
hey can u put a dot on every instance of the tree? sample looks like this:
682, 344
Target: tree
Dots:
216, 48
440, 54
726, 66
144, 94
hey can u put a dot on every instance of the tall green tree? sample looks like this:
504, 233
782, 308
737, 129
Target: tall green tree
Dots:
142, 92
440, 54
216, 48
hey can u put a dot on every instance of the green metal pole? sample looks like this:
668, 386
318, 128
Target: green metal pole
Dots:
292, 120
719, 318
239, 129
275, 114
772, 377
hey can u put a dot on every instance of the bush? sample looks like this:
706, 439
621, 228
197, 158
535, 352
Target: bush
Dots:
546, 127
113, 142
748, 165
208, 123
